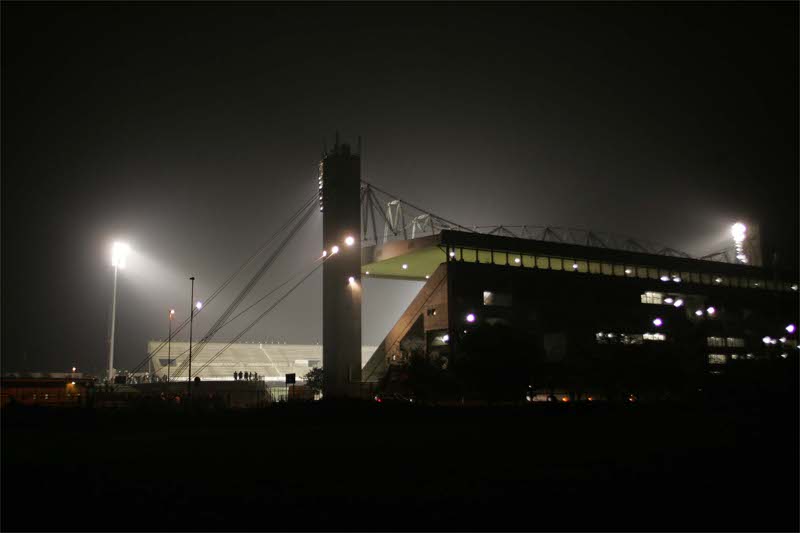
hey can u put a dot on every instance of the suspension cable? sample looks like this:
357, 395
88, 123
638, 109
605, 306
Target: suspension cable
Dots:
311, 201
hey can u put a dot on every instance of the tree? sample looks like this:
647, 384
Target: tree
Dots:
315, 379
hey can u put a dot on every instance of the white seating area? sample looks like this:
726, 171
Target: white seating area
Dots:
270, 361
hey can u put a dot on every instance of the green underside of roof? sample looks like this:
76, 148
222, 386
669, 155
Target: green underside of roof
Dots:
420, 263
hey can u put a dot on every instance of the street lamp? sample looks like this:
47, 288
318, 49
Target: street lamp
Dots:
119, 256
169, 342
191, 318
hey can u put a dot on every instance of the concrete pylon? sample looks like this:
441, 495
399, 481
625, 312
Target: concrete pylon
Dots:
340, 185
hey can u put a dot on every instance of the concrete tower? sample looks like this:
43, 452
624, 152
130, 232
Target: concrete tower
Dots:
340, 185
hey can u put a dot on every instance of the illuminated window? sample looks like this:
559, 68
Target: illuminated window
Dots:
594, 268
556, 263
431, 311
717, 359
496, 298
653, 298
654, 336
606, 269
735, 342
716, 341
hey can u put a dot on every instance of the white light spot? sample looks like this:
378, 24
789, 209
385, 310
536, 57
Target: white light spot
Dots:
678, 302
199, 305
664, 278
351, 280
517, 260
628, 271
470, 318
699, 312
790, 328
405, 266
711, 310
335, 249
349, 240
658, 322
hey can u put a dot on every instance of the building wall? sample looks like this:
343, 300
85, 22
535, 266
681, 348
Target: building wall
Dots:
582, 324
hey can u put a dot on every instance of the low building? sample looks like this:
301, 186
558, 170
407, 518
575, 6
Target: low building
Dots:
46, 389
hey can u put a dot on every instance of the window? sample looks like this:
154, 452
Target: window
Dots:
653, 298
716, 341
654, 336
501, 299
594, 268
164, 361
432, 311
606, 269
717, 359
735, 342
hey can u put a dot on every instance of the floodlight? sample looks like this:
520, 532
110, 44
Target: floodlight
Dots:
335, 249
199, 305
699, 312
678, 302
470, 318
119, 254
349, 240
664, 278
738, 231
790, 328
658, 322
405, 266
351, 280
711, 310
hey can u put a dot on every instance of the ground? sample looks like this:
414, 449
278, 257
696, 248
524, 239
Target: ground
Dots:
385, 467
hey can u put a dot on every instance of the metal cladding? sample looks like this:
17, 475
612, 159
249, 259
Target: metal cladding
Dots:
340, 182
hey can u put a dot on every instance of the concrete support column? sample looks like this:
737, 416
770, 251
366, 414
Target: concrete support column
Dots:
340, 180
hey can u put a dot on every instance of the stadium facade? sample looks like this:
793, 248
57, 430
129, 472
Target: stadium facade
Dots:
588, 309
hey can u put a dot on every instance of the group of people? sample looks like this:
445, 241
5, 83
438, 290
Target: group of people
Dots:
245, 376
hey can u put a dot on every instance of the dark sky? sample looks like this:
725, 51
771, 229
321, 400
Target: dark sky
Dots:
192, 130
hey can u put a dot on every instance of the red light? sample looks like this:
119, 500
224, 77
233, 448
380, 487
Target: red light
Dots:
564, 399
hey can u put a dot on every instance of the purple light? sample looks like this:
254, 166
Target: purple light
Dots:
658, 322
790, 328
470, 318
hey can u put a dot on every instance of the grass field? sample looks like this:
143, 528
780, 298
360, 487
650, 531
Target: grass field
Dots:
381, 467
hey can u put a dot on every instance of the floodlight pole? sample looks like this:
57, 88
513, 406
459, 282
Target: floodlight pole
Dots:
169, 345
113, 324
191, 318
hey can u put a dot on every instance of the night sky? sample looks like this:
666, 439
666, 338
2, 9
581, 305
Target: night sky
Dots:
193, 130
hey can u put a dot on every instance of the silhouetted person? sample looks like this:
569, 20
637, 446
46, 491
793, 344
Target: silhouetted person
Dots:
235, 376
247, 376
241, 375
255, 377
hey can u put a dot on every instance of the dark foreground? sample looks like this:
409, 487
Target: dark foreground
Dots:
379, 467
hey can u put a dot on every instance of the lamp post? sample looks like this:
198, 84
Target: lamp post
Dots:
119, 254
191, 319
169, 343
